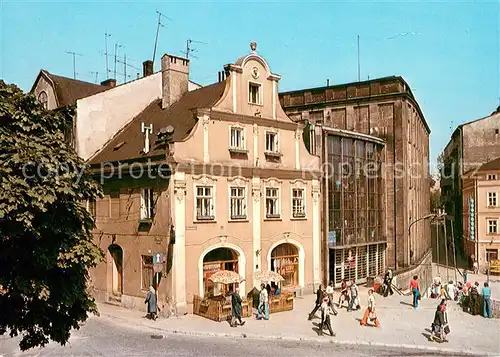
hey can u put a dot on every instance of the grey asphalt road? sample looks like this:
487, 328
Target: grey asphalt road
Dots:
99, 337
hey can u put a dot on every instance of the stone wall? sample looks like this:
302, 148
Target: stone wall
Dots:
403, 277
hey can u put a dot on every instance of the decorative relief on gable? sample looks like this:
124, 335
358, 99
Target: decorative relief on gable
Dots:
272, 182
298, 183
315, 192
222, 240
180, 190
204, 180
237, 181
205, 121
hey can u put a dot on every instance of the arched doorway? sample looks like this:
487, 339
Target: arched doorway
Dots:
214, 261
116, 255
285, 261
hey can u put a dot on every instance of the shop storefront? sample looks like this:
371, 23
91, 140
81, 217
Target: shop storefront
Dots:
285, 261
216, 260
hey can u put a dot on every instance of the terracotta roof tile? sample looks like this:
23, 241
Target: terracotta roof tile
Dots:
129, 142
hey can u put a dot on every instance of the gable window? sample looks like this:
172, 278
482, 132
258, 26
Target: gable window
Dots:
43, 99
92, 208
271, 142
492, 226
147, 203
237, 138
492, 177
254, 93
298, 203
272, 202
492, 199
205, 203
147, 278
238, 207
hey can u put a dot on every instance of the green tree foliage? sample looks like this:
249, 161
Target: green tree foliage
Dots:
46, 246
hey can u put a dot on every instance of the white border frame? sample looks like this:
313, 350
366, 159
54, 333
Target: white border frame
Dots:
277, 141
244, 136
261, 93
204, 180
298, 184
237, 182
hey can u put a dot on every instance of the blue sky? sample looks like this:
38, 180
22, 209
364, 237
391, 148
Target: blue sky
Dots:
449, 55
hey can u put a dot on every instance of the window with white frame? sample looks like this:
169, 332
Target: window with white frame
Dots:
271, 142
492, 226
492, 199
43, 99
254, 93
237, 138
92, 208
492, 177
205, 203
147, 203
238, 206
298, 203
272, 202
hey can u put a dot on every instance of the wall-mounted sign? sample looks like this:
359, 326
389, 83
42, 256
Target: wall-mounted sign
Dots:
472, 219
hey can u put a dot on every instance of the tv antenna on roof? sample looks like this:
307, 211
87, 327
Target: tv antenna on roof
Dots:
117, 45
189, 49
160, 15
96, 75
106, 35
74, 54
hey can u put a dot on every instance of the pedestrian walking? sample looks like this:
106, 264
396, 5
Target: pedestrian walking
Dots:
415, 289
388, 283
370, 313
263, 304
465, 276
440, 325
326, 312
344, 293
152, 305
236, 308
354, 297
476, 267
487, 300
319, 301
329, 293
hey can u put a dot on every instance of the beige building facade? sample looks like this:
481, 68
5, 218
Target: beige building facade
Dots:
225, 183
481, 202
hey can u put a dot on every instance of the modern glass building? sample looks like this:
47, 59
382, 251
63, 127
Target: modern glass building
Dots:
356, 222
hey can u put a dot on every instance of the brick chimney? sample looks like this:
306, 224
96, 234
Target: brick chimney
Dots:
175, 78
109, 83
147, 68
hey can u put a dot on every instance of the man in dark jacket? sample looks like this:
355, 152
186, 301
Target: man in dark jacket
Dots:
319, 299
236, 308
388, 283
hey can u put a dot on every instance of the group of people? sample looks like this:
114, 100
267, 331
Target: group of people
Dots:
350, 293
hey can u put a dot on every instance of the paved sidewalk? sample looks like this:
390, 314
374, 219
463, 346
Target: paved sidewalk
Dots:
402, 326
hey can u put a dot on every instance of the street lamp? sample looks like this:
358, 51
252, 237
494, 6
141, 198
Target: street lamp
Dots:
432, 215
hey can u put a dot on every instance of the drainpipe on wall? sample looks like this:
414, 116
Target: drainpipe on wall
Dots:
395, 193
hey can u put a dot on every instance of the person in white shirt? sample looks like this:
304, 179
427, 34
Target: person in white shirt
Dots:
263, 303
326, 311
329, 294
370, 311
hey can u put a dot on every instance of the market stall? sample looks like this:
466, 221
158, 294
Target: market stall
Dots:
218, 308
279, 300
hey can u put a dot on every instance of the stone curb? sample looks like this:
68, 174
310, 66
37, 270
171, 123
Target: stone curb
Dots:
305, 339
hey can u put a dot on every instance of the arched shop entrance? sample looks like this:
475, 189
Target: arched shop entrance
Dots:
214, 261
115, 252
285, 261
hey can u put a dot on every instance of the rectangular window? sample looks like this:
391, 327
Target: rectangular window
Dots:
492, 199
147, 203
147, 272
237, 139
492, 177
271, 142
491, 254
254, 93
238, 207
272, 203
492, 226
92, 208
298, 203
204, 203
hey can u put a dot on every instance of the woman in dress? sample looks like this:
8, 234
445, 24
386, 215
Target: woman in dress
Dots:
370, 313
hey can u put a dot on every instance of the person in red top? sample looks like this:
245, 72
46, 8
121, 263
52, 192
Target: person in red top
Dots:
415, 289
